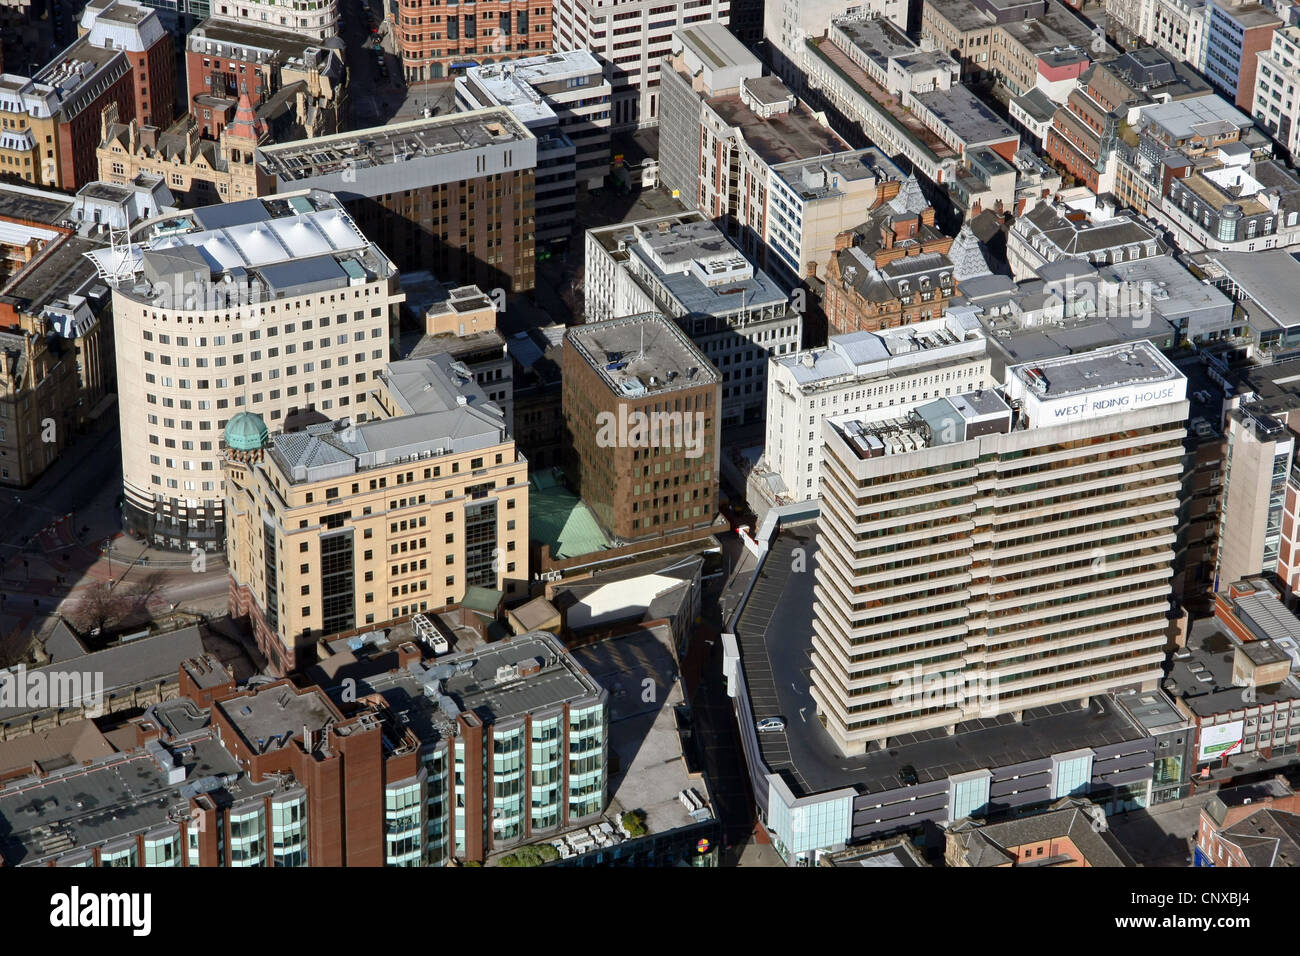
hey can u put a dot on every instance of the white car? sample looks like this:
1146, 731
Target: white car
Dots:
770, 725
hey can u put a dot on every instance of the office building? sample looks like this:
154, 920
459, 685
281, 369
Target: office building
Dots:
1168, 141
788, 25
429, 763
411, 187
317, 20
564, 100
433, 46
1233, 204
1006, 38
632, 37
1275, 105
204, 302
641, 409
1256, 469
1085, 134
742, 149
906, 99
812, 799
1030, 595
138, 31
897, 267
367, 518
683, 267
884, 372
1235, 35
51, 119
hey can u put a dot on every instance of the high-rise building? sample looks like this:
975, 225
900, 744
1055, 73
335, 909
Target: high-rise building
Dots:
344, 525
641, 407
631, 37
1256, 473
563, 99
1012, 548
453, 194
138, 31
266, 306
683, 267
433, 46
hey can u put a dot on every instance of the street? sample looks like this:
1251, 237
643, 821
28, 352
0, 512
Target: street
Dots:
62, 537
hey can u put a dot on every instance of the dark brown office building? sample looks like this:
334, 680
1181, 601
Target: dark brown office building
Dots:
640, 412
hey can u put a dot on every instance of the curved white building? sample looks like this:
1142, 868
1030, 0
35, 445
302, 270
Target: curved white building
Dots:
271, 305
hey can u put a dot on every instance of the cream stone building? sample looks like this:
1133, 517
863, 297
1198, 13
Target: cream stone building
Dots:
270, 306
1000, 550
346, 525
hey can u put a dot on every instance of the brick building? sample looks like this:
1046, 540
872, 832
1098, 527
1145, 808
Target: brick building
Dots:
436, 40
641, 408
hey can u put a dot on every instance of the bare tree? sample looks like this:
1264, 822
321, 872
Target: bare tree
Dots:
101, 607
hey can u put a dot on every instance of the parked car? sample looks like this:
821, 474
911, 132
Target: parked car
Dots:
907, 776
771, 725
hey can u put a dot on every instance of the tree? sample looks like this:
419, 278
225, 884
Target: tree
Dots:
634, 823
101, 607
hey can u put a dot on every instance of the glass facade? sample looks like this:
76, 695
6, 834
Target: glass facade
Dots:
544, 789
1071, 775
587, 756
403, 823
289, 831
435, 767
338, 592
120, 856
163, 849
507, 785
800, 829
968, 797
248, 836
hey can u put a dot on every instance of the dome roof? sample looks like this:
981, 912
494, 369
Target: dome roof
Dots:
246, 432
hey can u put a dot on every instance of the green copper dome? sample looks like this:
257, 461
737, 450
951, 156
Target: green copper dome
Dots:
246, 432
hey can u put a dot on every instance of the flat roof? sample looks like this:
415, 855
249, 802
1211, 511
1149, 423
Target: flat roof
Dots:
250, 34
114, 797
796, 134
1140, 363
379, 146
774, 633
963, 112
426, 696
643, 734
714, 44
34, 205
1212, 650
281, 712
640, 355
